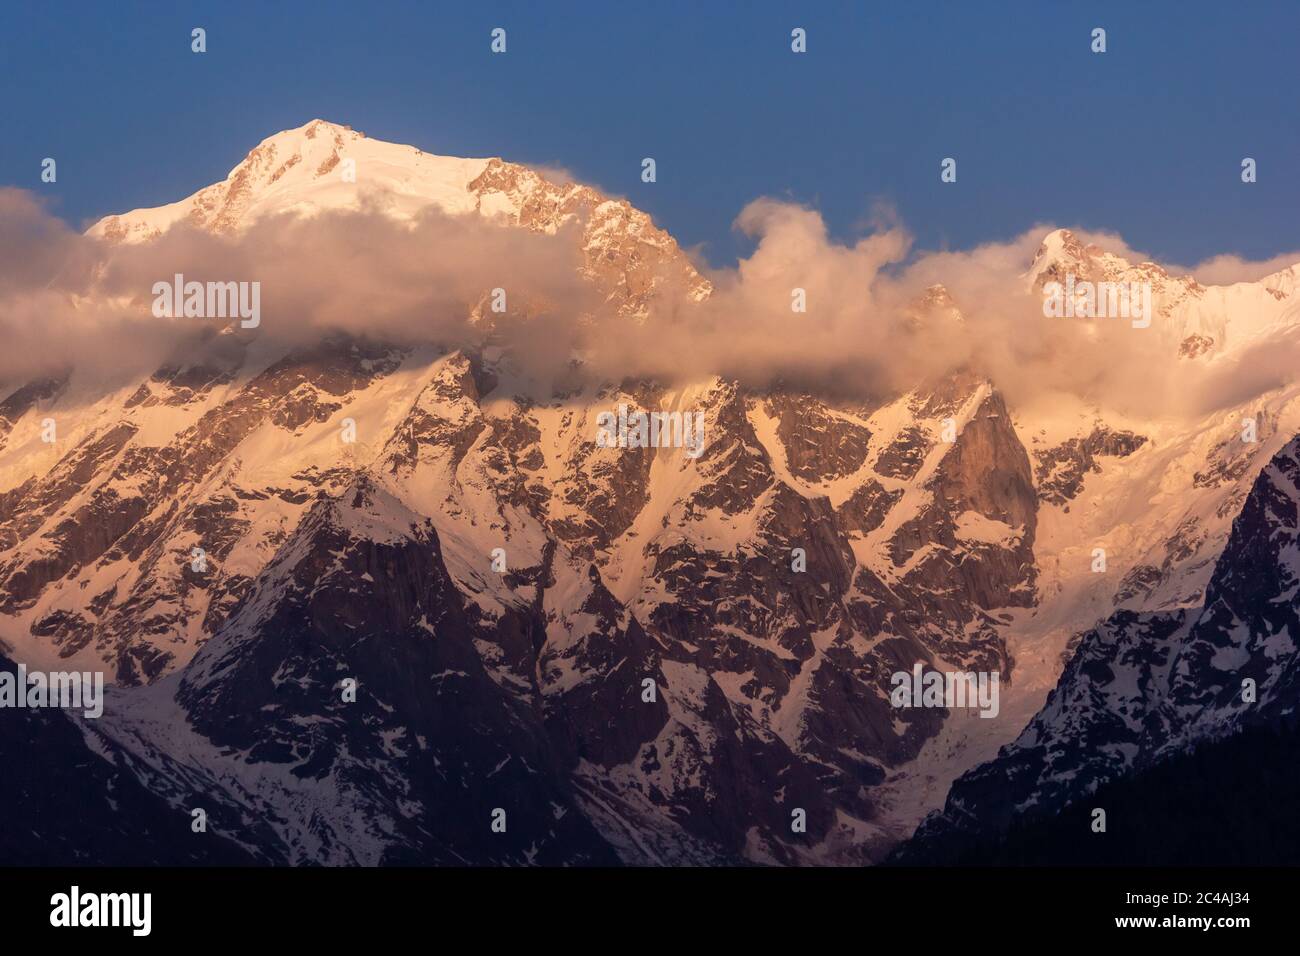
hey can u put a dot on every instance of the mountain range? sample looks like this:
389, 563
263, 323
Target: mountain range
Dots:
475, 635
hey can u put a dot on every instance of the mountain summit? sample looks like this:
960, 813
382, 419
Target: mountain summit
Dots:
300, 171
322, 166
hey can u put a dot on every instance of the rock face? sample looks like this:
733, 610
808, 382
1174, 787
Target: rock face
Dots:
426, 744
625, 254
372, 604
101, 545
1060, 470
652, 675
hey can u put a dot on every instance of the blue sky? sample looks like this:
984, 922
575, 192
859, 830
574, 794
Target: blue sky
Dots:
1146, 139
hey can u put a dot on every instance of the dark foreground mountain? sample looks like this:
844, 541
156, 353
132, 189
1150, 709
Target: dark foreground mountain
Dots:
1204, 701
1228, 802
64, 803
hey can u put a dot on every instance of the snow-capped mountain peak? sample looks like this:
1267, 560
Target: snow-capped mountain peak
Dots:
315, 167
1063, 253
1194, 319
322, 166
1061, 250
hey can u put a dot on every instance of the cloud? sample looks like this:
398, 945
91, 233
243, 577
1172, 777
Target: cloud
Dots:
873, 325
1228, 269
67, 299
